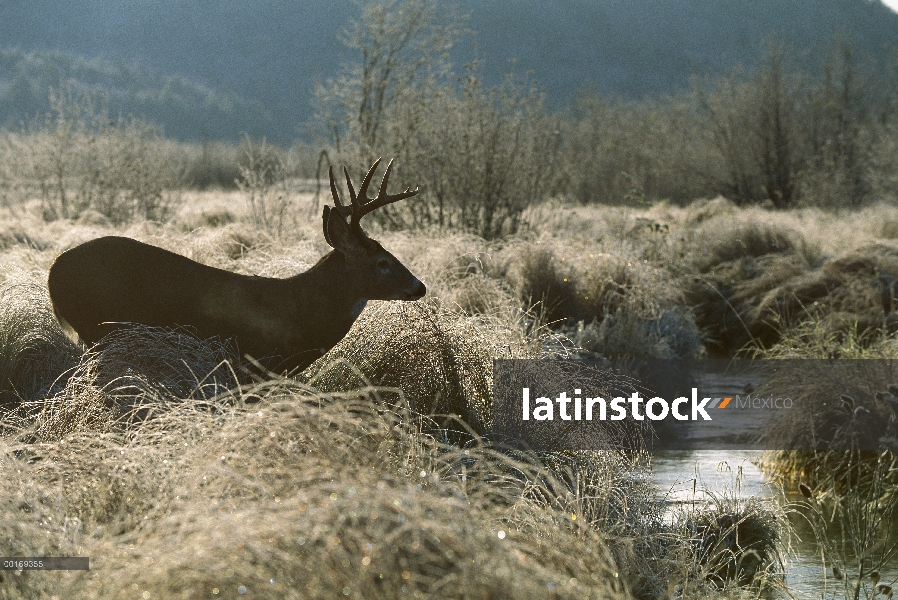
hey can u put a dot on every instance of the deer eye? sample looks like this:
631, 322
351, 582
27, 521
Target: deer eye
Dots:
383, 263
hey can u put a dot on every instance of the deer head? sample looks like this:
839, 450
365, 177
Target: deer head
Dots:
370, 266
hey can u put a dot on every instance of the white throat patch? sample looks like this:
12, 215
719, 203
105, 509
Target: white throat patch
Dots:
357, 309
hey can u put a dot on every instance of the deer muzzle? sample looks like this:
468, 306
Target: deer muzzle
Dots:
416, 291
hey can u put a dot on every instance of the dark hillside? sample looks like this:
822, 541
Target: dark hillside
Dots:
217, 69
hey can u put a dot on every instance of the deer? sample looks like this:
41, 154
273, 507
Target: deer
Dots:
283, 324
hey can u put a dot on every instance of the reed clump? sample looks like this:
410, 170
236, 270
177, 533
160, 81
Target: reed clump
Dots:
847, 413
34, 351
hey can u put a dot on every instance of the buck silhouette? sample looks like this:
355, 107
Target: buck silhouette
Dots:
285, 324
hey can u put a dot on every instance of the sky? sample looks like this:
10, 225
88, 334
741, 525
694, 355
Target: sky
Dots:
893, 4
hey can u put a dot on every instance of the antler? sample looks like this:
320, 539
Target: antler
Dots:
362, 204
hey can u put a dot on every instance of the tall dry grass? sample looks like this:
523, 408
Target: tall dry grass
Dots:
296, 495
294, 491
130, 467
118, 452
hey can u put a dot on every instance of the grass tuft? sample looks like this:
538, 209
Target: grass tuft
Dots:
33, 349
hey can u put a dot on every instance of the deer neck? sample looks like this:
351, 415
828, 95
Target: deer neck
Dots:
331, 299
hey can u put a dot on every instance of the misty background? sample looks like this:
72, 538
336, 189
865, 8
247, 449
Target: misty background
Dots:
207, 72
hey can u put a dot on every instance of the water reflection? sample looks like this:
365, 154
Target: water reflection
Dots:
695, 477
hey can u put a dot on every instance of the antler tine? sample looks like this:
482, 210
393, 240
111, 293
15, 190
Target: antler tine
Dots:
363, 191
361, 203
344, 210
352, 197
383, 183
383, 198
334, 192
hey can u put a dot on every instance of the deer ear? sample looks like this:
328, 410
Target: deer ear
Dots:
340, 236
327, 238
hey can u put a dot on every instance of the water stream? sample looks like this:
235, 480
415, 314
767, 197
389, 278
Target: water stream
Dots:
693, 476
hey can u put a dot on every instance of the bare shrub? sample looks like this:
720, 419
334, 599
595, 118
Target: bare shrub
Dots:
402, 44
481, 156
485, 156
613, 153
884, 168
846, 113
789, 138
211, 164
779, 135
77, 158
755, 127
263, 180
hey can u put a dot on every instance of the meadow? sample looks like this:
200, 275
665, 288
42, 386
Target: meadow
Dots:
181, 475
